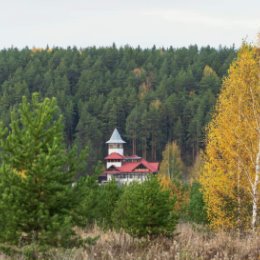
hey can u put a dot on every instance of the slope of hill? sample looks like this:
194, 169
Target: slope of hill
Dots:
152, 96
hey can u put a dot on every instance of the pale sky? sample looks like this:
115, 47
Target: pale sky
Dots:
164, 23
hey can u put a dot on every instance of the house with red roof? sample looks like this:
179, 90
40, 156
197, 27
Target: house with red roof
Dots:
123, 168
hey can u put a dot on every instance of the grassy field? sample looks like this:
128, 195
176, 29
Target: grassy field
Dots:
189, 243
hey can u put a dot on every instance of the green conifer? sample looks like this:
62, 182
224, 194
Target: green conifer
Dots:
35, 180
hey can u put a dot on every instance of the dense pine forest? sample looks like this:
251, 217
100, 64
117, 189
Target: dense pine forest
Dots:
153, 96
194, 110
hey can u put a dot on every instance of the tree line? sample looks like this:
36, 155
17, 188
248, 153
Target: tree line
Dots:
42, 205
153, 96
42, 201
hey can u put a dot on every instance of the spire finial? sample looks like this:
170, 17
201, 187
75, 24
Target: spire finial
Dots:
115, 138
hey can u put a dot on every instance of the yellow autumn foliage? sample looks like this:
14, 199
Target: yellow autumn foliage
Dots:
20, 173
232, 145
156, 104
172, 165
176, 190
208, 71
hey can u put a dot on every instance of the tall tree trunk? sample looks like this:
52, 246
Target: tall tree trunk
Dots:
153, 148
239, 178
134, 145
238, 198
144, 148
169, 172
255, 188
257, 162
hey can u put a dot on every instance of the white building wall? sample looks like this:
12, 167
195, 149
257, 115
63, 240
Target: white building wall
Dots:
126, 179
116, 150
116, 164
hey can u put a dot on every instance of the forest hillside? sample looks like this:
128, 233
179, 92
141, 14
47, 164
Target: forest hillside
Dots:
153, 96
189, 108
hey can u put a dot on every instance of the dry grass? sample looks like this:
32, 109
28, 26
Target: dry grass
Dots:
189, 243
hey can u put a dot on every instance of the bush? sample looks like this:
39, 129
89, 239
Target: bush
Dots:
144, 209
86, 197
197, 208
108, 197
95, 203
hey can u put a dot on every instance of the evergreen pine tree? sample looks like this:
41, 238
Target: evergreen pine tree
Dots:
145, 209
35, 183
197, 208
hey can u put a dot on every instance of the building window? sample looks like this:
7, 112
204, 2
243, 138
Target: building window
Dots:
113, 146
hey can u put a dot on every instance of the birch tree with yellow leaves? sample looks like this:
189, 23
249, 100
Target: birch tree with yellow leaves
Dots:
231, 173
172, 165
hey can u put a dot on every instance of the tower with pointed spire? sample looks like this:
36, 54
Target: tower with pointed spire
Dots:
115, 143
115, 150
125, 169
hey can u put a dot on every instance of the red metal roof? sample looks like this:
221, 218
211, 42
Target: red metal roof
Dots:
155, 166
112, 172
114, 156
132, 167
134, 156
128, 166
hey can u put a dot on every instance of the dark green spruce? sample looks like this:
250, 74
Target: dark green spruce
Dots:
153, 96
35, 177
